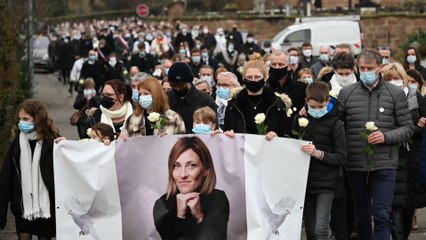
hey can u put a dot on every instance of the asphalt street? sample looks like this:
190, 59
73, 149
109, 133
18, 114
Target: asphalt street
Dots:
55, 97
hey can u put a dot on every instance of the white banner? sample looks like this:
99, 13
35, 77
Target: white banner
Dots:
263, 181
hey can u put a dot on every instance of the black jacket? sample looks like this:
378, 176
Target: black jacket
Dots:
94, 71
328, 135
214, 226
10, 180
186, 107
146, 64
293, 88
276, 116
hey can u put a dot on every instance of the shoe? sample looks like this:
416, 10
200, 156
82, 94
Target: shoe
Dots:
414, 223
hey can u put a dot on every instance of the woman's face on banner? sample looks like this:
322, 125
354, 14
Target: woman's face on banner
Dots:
188, 172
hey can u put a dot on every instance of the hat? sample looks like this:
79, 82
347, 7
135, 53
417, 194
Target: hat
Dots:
267, 44
180, 72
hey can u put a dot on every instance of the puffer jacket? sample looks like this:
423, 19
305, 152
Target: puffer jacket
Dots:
328, 135
386, 106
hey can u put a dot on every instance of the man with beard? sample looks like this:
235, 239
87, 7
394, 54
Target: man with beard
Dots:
280, 80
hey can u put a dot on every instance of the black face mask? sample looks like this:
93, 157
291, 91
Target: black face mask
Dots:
254, 86
277, 73
181, 92
107, 102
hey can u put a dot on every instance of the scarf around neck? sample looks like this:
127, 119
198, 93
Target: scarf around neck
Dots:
107, 115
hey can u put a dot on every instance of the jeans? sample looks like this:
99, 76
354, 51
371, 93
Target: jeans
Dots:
317, 215
373, 199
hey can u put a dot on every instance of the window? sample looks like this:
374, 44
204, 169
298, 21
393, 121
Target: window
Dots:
299, 36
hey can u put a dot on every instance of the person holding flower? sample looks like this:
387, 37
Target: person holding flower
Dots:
153, 115
328, 153
373, 100
255, 99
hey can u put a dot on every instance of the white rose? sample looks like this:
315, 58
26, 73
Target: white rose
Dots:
289, 112
370, 126
303, 122
260, 118
154, 117
333, 94
89, 132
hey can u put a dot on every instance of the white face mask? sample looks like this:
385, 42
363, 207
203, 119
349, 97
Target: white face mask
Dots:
307, 52
344, 80
398, 83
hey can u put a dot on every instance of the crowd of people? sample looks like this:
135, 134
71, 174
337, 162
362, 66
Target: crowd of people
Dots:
365, 117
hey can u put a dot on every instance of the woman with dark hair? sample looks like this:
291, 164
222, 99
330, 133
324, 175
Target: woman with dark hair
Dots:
26, 178
415, 80
192, 208
412, 61
115, 106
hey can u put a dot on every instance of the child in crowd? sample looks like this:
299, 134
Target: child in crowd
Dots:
204, 121
305, 75
101, 132
328, 154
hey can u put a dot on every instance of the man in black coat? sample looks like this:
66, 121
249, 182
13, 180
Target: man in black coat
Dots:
144, 61
185, 98
280, 80
93, 68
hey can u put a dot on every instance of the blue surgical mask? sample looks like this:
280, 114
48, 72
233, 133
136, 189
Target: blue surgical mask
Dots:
324, 57
294, 60
88, 92
167, 71
210, 80
145, 101
26, 127
196, 59
142, 54
412, 87
205, 55
201, 128
231, 48
135, 95
92, 58
309, 80
223, 93
368, 77
411, 59
385, 60
317, 113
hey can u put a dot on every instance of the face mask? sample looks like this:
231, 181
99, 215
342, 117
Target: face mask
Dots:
184, 32
145, 101
250, 40
412, 87
88, 92
231, 48
112, 61
26, 127
398, 83
267, 50
368, 77
201, 129
167, 71
205, 31
317, 113
205, 55
135, 95
344, 80
182, 92
107, 102
92, 58
182, 51
141, 40
223, 93
294, 60
385, 60
149, 37
254, 86
307, 52
210, 80
309, 80
154, 54
127, 35
411, 59
142, 54
196, 59
324, 57
277, 73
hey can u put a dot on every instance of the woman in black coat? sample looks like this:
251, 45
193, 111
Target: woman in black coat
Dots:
26, 178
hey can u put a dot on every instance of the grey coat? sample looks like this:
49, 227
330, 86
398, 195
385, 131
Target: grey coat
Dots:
386, 106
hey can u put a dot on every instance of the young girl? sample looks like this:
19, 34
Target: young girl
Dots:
204, 121
101, 132
26, 178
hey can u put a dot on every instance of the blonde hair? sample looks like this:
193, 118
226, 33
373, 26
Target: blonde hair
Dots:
204, 114
256, 61
304, 71
395, 68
